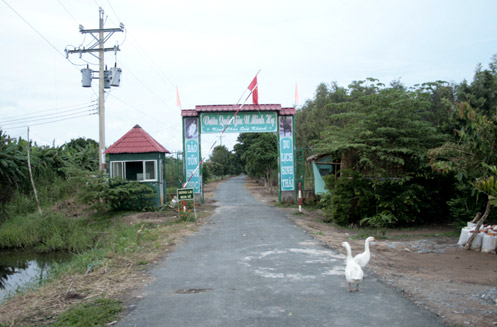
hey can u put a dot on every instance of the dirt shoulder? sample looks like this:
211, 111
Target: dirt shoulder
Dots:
425, 266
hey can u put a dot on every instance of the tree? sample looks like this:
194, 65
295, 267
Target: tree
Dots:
258, 151
220, 161
13, 166
385, 131
473, 156
481, 94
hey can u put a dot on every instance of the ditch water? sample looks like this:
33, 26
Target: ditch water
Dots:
19, 270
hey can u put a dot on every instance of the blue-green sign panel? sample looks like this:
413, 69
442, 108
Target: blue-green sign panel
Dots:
286, 160
244, 122
286, 153
192, 161
192, 154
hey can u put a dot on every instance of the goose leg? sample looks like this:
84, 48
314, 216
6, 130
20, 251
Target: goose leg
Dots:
357, 288
349, 288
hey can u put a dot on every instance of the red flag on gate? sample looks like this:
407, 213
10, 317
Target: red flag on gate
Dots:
253, 87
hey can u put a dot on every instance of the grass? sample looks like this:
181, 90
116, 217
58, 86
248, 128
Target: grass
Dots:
107, 269
96, 313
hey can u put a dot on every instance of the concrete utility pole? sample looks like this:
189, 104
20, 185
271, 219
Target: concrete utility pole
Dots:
103, 35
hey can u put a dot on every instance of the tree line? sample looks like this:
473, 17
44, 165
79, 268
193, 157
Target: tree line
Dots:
409, 155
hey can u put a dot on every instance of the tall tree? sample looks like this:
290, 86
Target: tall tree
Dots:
384, 130
473, 156
481, 93
221, 161
258, 151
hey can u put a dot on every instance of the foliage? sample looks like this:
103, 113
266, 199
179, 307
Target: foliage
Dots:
115, 194
47, 232
222, 162
488, 185
258, 154
352, 198
471, 157
51, 167
174, 172
13, 166
481, 93
95, 313
380, 221
382, 133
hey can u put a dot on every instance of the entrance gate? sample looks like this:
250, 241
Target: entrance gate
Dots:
250, 118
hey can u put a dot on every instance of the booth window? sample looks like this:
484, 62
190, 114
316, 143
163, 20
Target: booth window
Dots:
135, 170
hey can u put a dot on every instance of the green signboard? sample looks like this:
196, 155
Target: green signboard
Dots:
244, 122
185, 194
286, 154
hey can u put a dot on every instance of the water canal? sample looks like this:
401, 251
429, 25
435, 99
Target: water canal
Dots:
19, 270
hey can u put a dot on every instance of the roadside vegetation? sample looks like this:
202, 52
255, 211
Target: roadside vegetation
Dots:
89, 217
410, 156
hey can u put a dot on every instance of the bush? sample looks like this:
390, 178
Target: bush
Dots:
418, 200
380, 221
115, 194
351, 199
128, 195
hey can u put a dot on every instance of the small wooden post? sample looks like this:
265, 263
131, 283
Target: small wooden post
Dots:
31, 177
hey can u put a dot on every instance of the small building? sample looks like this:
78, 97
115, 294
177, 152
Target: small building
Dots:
138, 157
323, 165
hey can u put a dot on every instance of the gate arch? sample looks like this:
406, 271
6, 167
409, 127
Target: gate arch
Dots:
236, 118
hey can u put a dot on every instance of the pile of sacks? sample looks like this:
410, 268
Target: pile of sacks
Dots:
485, 241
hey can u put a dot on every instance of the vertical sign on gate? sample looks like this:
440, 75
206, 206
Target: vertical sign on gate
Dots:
192, 155
286, 153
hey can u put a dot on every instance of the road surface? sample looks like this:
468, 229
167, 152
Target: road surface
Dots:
250, 265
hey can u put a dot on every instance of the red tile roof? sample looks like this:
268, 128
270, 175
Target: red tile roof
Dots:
136, 141
233, 107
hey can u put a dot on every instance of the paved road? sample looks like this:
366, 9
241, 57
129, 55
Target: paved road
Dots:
250, 265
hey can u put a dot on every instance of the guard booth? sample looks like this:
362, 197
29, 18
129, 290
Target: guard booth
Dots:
251, 118
138, 157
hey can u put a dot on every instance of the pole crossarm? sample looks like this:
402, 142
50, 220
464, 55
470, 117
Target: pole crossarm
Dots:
101, 35
105, 30
116, 48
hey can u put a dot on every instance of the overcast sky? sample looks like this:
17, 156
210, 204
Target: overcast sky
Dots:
211, 50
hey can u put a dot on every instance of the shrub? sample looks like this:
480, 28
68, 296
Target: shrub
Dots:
352, 198
115, 194
128, 195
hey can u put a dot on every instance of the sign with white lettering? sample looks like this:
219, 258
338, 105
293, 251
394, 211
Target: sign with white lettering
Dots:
192, 154
185, 194
244, 122
286, 154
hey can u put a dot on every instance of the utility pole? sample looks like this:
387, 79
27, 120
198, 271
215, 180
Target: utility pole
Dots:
101, 92
104, 80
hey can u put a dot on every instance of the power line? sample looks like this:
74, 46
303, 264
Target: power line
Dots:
53, 121
60, 3
134, 108
27, 121
155, 68
34, 29
44, 117
38, 112
145, 85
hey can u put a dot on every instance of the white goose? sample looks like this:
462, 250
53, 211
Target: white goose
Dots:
353, 272
363, 258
